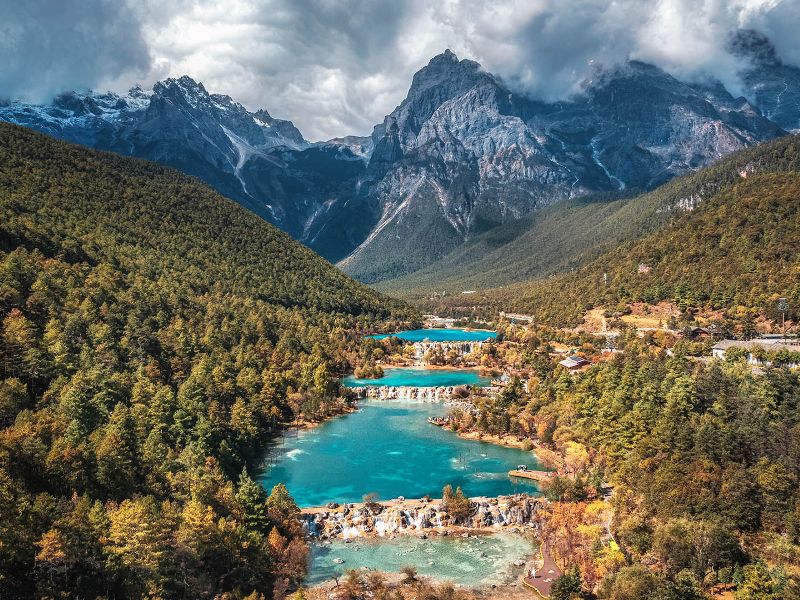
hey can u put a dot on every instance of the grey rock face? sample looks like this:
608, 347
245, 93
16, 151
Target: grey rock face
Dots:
772, 85
463, 152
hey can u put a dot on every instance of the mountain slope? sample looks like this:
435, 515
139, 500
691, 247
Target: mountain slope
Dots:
738, 249
729, 240
136, 216
570, 234
772, 85
154, 337
261, 162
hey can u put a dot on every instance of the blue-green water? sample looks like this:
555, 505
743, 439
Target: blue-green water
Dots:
421, 377
389, 448
441, 335
469, 561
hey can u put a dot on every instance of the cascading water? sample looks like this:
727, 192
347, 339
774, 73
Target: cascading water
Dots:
506, 511
421, 394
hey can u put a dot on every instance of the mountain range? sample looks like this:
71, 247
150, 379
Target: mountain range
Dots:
462, 155
722, 239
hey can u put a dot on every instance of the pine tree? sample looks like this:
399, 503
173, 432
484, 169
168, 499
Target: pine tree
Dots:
253, 504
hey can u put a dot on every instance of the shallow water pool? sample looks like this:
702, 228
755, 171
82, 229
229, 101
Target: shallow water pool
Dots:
421, 377
441, 335
474, 561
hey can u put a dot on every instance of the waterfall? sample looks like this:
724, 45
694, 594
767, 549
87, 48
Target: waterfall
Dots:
380, 527
352, 521
422, 394
310, 525
350, 532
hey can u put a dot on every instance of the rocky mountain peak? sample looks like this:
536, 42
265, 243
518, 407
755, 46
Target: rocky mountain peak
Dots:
263, 115
444, 69
632, 74
183, 89
445, 77
447, 54
462, 153
78, 104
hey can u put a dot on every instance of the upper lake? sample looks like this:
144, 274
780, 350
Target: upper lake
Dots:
441, 335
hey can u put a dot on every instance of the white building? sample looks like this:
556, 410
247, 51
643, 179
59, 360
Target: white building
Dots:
768, 344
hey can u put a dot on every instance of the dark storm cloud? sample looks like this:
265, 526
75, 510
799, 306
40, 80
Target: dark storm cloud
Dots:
47, 46
335, 67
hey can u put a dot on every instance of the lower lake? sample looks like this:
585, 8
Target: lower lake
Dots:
388, 448
474, 561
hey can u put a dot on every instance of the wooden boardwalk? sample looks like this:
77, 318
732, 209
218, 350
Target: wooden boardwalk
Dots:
545, 575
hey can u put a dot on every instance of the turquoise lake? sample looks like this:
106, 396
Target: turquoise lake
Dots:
390, 449
421, 377
473, 561
441, 335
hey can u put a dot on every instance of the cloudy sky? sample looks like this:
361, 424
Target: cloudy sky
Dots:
335, 67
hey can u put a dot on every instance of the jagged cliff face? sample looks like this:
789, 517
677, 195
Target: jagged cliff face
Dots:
772, 85
461, 154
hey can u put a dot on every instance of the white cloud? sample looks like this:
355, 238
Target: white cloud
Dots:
337, 67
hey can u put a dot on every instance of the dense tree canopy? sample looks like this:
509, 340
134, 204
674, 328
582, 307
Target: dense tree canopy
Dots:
738, 249
724, 238
153, 337
703, 458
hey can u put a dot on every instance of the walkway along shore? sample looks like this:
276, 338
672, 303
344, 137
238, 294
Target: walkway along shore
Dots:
545, 575
532, 474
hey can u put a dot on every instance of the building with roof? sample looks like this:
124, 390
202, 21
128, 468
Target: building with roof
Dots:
517, 318
697, 333
574, 363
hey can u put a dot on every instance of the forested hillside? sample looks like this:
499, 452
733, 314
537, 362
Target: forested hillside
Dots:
721, 239
154, 336
571, 234
738, 249
704, 459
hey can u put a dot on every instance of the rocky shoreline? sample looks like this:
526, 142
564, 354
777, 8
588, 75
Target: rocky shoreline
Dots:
403, 516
